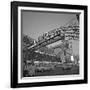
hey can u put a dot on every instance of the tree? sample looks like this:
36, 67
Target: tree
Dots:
27, 41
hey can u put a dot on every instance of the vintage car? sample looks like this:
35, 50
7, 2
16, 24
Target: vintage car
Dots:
44, 68
67, 66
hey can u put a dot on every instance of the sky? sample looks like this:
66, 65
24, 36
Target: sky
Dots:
36, 23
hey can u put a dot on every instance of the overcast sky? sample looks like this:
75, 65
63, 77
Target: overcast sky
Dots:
35, 24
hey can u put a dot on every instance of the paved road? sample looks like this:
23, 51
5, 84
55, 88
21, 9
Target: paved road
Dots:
59, 71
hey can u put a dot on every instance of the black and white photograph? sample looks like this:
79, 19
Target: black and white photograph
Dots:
50, 43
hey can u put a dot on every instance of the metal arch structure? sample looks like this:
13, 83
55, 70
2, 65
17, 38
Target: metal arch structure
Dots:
66, 32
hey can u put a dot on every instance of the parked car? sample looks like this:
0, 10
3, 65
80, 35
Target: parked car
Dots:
67, 66
44, 68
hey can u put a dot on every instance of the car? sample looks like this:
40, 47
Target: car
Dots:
66, 66
44, 68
